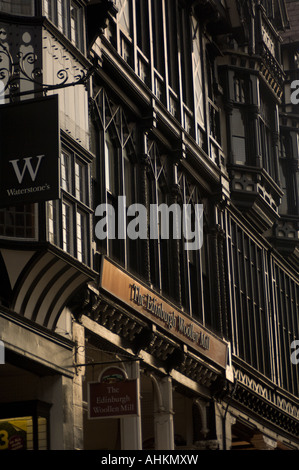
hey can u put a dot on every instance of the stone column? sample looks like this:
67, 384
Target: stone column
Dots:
79, 337
131, 436
163, 413
58, 391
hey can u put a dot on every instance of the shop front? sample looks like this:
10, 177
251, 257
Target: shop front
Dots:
37, 410
164, 371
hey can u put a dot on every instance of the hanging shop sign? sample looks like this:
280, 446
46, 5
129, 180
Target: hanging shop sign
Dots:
29, 151
114, 396
145, 301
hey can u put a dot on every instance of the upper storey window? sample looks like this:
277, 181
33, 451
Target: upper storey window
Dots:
268, 5
18, 7
142, 27
266, 128
68, 17
124, 15
289, 176
124, 38
69, 217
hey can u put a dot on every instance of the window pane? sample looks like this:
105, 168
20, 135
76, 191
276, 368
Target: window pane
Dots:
18, 221
50, 10
172, 52
81, 237
80, 182
185, 52
17, 7
42, 433
16, 433
52, 222
239, 149
157, 18
283, 179
142, 26
239, 90
110, 161
129, 179
65, 172
60, 15
238, 137
75, 24
124, 15
67, 228
197, 73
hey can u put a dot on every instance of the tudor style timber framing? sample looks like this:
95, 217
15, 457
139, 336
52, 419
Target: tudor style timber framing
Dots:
181, 102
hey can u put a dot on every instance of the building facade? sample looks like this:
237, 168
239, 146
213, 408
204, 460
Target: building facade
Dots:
159, 103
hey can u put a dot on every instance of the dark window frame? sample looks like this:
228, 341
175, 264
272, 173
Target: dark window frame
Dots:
81, 205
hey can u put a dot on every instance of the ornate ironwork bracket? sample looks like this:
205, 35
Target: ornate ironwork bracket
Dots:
25, 69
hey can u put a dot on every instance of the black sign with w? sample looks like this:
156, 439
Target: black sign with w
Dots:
29, 151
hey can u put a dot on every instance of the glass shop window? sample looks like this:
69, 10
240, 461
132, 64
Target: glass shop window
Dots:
16, 433
24, 426
17, 7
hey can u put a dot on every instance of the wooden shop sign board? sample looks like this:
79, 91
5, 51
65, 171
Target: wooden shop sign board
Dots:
149, 304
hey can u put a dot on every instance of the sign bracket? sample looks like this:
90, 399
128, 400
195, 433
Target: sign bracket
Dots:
106, 363
16, 71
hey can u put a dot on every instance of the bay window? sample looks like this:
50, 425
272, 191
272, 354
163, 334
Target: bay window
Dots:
69, 218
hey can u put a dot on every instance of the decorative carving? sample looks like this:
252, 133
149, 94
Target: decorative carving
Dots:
266, 402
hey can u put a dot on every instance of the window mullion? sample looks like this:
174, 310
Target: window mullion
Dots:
151, 47
181, 66
158, 242
134, 37
186, 252
165, 53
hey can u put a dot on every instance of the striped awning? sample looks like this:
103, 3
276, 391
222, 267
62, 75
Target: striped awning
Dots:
42, 284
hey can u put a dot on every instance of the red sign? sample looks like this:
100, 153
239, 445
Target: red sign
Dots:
112, 400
